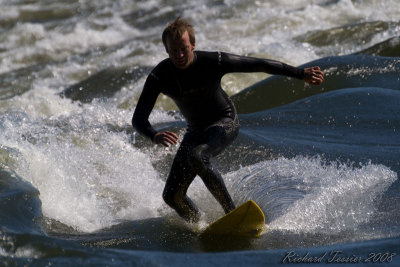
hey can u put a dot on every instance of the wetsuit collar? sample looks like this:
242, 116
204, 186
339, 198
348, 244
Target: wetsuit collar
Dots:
194, 58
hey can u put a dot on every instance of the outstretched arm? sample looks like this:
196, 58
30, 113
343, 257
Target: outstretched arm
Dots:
235, 63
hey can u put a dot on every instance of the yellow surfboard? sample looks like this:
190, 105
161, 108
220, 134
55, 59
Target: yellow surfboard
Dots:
246, 220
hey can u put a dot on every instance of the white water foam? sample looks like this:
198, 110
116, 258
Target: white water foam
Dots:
89, 177
29, 43
308, 195
245, 27
269, 28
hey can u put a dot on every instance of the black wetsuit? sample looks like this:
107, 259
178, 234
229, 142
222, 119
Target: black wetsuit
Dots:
210, 114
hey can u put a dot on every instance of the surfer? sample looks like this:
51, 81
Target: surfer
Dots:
193, 80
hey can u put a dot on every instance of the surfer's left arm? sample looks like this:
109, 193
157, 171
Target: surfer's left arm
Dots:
236, 63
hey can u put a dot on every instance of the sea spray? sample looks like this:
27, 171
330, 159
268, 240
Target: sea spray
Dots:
89, 175
311, 195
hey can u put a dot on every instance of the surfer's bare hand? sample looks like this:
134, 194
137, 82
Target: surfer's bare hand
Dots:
313, 75
165, 138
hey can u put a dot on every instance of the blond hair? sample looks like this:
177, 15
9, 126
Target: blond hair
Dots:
176, 29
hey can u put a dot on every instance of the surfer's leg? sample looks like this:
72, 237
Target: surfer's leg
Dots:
177, 184
214, 140
215, 184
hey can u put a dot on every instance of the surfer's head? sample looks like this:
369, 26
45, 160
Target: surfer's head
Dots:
179, 41
176, 29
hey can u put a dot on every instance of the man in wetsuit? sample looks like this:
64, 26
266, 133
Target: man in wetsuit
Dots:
193, 80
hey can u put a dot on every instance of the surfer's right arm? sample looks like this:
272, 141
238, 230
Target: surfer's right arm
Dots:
140, 119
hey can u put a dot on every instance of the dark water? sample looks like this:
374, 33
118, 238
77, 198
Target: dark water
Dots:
78, 186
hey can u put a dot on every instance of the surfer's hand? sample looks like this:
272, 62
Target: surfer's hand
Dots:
165, 138
313, 75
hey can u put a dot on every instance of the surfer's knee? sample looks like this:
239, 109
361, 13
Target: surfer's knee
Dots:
177, 202
168, 198
173, 199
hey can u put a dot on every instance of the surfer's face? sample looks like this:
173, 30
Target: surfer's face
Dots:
180, 51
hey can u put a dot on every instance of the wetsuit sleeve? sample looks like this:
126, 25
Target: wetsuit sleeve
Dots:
147, 100
235, 63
